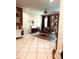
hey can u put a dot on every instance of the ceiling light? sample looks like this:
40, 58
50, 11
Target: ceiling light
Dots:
45, 11
51, 0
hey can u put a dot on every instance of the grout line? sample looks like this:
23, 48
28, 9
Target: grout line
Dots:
27, 52
20, 50
29, 48
45, 49
37, 48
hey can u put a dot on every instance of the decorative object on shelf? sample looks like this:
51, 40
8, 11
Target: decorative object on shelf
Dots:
52, 17
17, 20
52, 24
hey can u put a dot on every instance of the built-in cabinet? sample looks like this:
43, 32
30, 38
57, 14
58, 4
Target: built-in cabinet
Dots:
19, 19
52, 22
19, 22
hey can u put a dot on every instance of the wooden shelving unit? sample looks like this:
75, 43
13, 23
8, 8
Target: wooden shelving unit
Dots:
19, 19
19, 22
52, 23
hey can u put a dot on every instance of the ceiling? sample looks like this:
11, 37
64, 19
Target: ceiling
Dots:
39, 5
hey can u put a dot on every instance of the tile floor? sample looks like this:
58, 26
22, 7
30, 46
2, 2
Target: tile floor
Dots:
30, 47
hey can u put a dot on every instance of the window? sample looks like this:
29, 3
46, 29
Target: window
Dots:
45, 22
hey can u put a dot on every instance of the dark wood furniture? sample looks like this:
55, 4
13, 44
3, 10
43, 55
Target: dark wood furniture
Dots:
34, 30
19, 22
19, 19
52, 22
45, 32
62, 55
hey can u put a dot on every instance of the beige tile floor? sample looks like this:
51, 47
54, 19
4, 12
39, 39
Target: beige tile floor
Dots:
30, 47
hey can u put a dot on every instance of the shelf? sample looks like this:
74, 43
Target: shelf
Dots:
18, 23
19, 17
18, 12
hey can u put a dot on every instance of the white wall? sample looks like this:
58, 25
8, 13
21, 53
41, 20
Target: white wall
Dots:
27, 17
26, 26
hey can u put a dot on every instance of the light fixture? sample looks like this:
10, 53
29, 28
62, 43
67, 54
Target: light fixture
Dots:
51, 0
45, 11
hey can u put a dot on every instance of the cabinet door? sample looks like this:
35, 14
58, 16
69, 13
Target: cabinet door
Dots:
54, 23
19, 20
